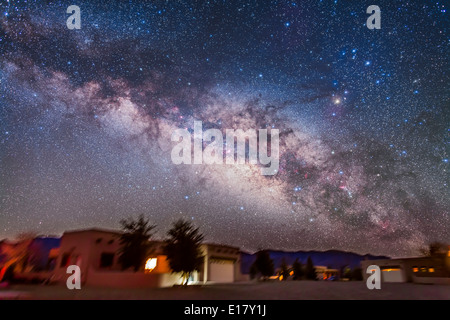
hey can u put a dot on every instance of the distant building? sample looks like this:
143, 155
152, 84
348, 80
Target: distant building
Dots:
324, 273
28, 259
420, 270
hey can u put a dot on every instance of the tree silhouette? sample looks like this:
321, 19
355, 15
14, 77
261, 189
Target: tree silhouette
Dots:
434, 249
298, 269
347, 272
310, 271
135, 242
264, 264
284, 270
253, 271
357, 274
183, 248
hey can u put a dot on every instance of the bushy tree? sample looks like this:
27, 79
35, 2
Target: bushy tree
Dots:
435, 250
357, 274
347, 273
183, 248
284, 270
264, 264
253, 271
310, 270
297, 268
135, 242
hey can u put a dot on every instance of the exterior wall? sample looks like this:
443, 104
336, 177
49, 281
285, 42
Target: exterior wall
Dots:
84, 249
104, 243
118, 279
431, 280
213, 252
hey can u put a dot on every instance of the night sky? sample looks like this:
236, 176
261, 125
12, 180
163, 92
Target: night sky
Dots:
86, 118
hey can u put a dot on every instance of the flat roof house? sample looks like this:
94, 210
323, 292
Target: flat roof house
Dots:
96, 252
419, 270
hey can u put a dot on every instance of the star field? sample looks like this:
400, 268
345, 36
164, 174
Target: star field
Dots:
86, 118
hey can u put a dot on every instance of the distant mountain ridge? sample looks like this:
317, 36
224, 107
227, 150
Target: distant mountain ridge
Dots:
335, 259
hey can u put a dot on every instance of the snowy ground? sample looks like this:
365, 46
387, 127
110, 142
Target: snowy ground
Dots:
291, 290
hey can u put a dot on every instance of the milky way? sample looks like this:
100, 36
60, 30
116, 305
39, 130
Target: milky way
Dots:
86, 118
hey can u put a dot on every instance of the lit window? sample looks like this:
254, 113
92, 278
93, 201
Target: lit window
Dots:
391, 269
423, 269
150, 264
291, 273
431, 269
415, 269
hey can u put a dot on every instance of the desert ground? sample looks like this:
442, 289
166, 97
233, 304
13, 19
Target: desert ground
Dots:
290, 290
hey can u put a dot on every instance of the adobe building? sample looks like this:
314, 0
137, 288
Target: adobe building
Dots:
427, 270
96, 252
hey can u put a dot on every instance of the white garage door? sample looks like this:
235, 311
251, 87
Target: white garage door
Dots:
221, 271
392, 275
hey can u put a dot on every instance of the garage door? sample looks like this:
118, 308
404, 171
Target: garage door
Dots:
221, 270
392, 275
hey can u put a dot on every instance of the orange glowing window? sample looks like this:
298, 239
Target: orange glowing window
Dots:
423, 269
431, 269
291, 273
150, 264
391, 269
415, 269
